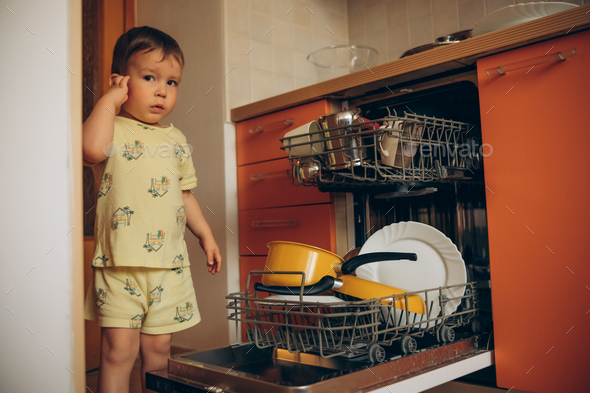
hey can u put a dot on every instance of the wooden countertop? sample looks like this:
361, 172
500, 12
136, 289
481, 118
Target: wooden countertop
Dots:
424, 64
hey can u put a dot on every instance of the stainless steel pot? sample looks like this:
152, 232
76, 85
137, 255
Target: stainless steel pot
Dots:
342, 147
306, 168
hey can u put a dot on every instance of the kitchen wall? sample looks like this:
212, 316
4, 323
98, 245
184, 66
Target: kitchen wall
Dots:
198, 28
268, 41
41, 280
270, 62
394, 26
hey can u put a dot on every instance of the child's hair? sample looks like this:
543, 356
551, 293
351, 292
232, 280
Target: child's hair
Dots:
143, 38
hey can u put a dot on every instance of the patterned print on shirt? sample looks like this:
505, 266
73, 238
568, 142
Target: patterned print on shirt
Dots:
156, 295
101, 297
178, 151
132, 288
160, 186
105, 184
180, 215
135, 322
184, 312
100, 261
145, 127
121, 217
132, 151
177, 264
154, 242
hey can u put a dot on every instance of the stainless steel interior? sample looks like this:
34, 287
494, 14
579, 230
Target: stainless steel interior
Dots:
456, 208
247, 369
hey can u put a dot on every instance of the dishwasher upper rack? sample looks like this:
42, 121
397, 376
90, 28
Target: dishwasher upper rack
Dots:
430, 150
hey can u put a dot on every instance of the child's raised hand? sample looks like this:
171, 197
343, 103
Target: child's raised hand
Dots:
213, 255
118, 89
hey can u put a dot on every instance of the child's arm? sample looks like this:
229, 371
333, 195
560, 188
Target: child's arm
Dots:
98, 129
196, 222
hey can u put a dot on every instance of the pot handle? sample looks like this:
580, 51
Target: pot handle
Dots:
353, 263
327, 282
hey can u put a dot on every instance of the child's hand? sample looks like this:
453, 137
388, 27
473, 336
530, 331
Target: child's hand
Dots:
213, 255
117, 93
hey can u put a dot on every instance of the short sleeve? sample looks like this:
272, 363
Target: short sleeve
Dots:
188, 178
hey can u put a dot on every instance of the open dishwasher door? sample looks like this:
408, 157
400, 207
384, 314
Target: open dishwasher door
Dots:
248, 369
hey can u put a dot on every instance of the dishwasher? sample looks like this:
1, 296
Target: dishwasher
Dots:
409, 155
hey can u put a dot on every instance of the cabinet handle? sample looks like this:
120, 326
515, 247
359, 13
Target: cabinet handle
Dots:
276, 124
275, 223
262, 176
502, 70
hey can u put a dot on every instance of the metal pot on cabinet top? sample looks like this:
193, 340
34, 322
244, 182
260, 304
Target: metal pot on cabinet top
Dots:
342, 146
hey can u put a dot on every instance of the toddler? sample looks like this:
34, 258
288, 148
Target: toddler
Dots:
142, 290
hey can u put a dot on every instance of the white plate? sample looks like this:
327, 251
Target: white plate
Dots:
439, 262
516, 14
294, 299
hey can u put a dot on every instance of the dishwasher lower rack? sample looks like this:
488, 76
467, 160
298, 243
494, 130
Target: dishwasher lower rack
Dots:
353, 328
330, 329
408, 148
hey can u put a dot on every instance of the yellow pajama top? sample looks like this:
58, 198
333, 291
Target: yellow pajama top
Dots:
140, 219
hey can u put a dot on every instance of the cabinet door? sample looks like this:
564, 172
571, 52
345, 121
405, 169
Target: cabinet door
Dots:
311, 224
538, 191
247, 264
270, 184
257, 139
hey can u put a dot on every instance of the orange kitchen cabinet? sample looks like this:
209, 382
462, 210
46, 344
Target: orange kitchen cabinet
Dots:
310, 224
258, 139
247, 264
538, 191
270, 184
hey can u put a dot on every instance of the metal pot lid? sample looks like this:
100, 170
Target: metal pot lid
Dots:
440, 41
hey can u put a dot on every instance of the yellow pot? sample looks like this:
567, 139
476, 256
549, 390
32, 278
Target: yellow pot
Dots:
284, 256
365, 289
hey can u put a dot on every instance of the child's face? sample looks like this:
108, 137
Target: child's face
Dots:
153, 85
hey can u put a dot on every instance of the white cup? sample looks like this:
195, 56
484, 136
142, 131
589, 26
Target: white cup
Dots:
308, 148
388, 144
394, 152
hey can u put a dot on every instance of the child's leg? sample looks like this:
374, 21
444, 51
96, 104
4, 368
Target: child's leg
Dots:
118, 351
155, 350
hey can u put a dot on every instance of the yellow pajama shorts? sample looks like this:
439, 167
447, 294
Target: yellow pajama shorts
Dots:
156, 301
